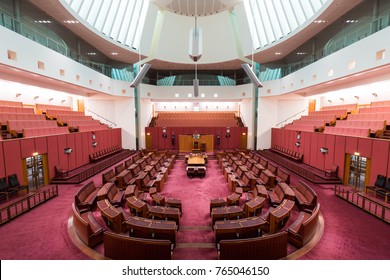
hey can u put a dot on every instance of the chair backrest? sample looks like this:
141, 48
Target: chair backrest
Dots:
380, 181
13, 181
3, 184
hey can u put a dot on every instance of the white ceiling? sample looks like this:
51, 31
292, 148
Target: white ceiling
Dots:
196, 7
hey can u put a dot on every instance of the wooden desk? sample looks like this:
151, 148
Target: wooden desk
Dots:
251, 206
288, 192
174, 203
158, 199
242, 228
120, 178
112, 216
140, 207
164, 213
196, 160
102, 193
279, 214
233, 199
226, 213
261, 191
147, 228
217, 202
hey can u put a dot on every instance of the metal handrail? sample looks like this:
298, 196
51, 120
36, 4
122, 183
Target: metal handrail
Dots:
115, 125
289, 118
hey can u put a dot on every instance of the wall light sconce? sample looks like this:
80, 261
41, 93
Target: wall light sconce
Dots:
62, 101
330, 101
18, 94
356, 153
68, 150
298, 144
35, 154
342, 99
36, 97
51, 99
356, 97
374, 94
94, 144
324, 150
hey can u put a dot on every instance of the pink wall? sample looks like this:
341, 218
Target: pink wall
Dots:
158, 142
338, 146
12, 152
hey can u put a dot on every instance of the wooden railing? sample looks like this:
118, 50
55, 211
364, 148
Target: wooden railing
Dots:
375, 207
21, 206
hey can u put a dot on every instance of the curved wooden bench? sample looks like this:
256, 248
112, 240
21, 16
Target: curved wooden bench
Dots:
114, 217
270, 247
85, 198
152, 229
238, 229
119, 247
304, 228
305, 196
86, 227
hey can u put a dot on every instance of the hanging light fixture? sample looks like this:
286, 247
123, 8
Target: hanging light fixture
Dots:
195, 48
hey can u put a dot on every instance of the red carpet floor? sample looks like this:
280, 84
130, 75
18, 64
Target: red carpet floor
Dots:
42, 233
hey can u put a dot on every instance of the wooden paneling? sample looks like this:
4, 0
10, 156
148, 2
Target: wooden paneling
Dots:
321, 142
364, 147
339, 154
314, 151
329, 157
52, 154
2, 168
78, 148
351, 145
72, 156
13, 158
27, 147
62, 157
380, 160
41, 145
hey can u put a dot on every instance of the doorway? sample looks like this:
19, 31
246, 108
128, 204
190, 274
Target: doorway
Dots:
357, 171
36, 171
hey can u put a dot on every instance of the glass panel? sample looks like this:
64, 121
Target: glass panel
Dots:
85, 7
118, 20
35, 172
102, 15
266, 22
299, 13
251, 23
141, 24
290, 15
110, 17
357, 172
75, 5
282, 18
307, 8
93, 13
273, 15
316, 4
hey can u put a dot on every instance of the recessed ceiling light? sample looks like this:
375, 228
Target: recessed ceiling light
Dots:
278, 53
91, 53
114, 53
